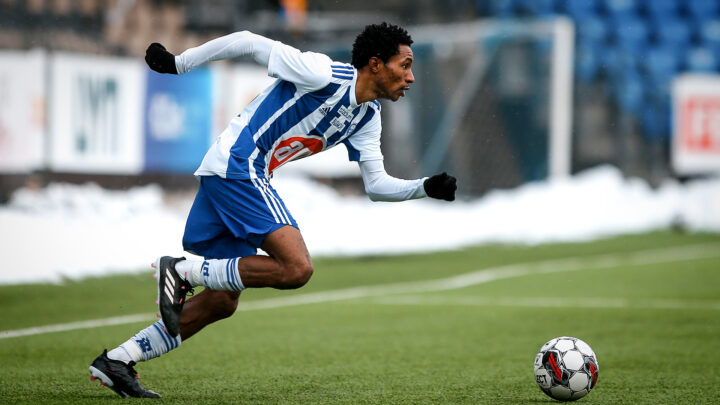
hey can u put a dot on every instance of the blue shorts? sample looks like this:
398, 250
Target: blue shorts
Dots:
232, 218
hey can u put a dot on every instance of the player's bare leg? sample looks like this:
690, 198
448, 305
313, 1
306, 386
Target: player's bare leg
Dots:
288, 266
205, 308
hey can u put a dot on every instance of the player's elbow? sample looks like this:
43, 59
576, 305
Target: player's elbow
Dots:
374, 196
373, 193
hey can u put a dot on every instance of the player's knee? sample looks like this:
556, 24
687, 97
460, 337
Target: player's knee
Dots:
298, 274
225, 303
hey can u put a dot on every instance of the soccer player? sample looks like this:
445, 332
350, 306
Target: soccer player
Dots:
315, 104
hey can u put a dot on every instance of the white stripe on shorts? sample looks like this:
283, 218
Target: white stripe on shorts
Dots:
259, 187
276, 201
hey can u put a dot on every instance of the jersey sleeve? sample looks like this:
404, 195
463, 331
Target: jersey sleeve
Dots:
226, 47
309, 70
364, 144
380, 186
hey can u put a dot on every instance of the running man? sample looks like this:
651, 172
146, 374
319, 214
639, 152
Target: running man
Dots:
315, 104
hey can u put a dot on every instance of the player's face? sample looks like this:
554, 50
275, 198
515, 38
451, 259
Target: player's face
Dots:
397, 74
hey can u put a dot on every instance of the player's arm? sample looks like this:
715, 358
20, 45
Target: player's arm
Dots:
309, 70
364, 148
380, 186
227, 47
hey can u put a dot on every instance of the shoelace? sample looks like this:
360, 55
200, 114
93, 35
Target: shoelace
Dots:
132, 369
187, 287
190, 290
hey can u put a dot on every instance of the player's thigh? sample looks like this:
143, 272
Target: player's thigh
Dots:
287, 245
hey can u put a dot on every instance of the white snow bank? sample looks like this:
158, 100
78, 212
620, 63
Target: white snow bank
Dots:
74, 231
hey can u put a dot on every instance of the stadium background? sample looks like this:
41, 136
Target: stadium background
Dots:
63, 120
96, 155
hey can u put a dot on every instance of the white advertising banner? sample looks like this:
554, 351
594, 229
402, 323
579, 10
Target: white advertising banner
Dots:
22, 111
696, 133
96, 114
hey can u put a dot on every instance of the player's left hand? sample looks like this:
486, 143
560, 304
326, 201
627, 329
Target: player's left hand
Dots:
441, 186
159, 59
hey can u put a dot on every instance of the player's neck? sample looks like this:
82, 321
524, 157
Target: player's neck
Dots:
365, 89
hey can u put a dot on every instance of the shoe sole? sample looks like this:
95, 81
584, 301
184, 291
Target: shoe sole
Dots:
95, 372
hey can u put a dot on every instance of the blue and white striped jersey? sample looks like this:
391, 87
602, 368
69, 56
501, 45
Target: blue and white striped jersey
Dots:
310, 108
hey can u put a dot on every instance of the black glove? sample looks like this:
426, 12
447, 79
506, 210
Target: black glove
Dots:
441, 186
159, 59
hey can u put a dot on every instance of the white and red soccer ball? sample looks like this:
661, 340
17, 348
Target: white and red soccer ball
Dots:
566, 368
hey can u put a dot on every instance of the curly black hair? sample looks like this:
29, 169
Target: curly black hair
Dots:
380, 40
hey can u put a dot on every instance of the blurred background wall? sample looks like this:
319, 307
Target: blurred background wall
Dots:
78, 104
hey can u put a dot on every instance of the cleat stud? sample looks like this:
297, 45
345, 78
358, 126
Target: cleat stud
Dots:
181, 300
102, 383
156, 302
152, 265
93, 378
154, 275
158, 315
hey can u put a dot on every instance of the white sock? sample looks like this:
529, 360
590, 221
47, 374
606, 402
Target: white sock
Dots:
190, 271
151, 342
120, 353
217, 274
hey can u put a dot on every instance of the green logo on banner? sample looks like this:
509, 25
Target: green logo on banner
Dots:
96, 116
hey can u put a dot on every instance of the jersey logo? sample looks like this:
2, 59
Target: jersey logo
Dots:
345, 113
338, 123
325, 110
345, 117
293, 148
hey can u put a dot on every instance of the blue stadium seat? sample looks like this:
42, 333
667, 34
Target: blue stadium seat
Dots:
629, 32
587, 62
621, 8
501, 8
709, 33
628, 91
615, 61
591, 28
578, 9
660, 62
702, 9
535, 7
672, 31
702, 59
662, 9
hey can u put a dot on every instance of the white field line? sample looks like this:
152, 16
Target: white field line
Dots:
605, 261
550, 302
94, 323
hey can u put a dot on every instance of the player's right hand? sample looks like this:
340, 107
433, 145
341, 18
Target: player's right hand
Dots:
159, 59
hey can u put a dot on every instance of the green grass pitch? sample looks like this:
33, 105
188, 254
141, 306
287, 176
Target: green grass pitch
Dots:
649, 305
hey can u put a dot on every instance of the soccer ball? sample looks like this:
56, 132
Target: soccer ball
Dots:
566, 368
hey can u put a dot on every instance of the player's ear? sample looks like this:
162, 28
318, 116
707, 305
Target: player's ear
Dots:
375, 64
